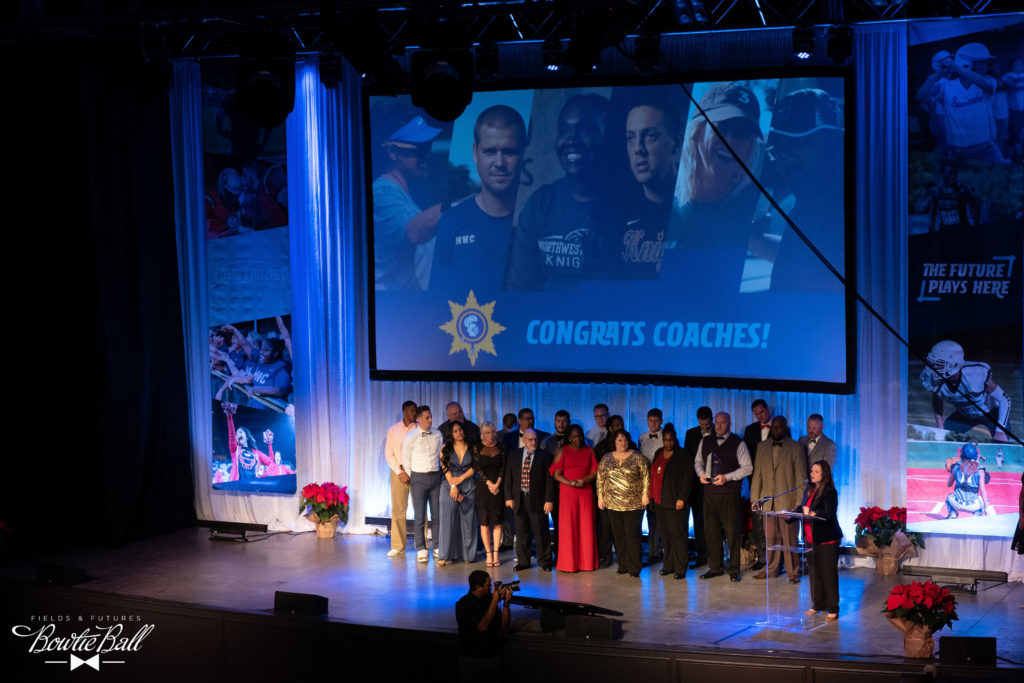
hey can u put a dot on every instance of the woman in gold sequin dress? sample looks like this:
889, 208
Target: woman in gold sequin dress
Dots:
623, 484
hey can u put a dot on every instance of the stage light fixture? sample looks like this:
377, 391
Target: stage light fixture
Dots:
552, 54
803, 42
691, 12
647, 52
487, 64
840, 44
441, 83
265, 90
330, 70
700, 12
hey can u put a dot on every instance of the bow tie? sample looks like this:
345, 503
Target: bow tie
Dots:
767, 426
654, 435
426, 433
815, 440
720, 438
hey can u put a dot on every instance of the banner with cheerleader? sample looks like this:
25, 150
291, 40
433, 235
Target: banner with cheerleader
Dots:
248, 294
966, 217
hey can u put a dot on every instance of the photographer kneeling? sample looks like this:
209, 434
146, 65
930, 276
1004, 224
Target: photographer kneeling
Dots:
482, 628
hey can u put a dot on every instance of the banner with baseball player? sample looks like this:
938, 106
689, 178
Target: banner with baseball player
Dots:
248, 294
966, 185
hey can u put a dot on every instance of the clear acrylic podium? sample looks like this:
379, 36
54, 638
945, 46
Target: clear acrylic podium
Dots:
781, 611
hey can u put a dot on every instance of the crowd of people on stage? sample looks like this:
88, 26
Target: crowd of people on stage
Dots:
572, 496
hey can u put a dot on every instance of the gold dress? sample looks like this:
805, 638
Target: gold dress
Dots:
622, 485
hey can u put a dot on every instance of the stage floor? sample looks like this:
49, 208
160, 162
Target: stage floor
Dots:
366, 587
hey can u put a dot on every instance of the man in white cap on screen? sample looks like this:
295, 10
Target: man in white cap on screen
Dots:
399, 225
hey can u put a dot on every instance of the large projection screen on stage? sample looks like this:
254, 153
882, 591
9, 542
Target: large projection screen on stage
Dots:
605, 233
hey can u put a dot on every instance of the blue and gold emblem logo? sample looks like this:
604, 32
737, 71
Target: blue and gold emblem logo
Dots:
472, 328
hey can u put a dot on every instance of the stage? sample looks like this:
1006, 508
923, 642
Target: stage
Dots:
210, 605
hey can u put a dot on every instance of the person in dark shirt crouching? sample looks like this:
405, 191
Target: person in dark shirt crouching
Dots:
482, 625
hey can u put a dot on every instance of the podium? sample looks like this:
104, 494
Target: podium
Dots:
780, 612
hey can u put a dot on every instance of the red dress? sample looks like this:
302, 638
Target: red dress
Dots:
577, 541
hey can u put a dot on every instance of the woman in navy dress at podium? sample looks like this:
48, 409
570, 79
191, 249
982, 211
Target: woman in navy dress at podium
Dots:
821, 500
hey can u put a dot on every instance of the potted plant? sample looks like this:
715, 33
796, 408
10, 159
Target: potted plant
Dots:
919, 610
883, 535
325, 505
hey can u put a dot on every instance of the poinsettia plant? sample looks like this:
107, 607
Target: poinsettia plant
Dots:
927, 604
325, 501
880, 526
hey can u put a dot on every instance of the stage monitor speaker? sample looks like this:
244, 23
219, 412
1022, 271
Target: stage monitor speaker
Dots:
59, 575
592, 628
966, 649
300, 603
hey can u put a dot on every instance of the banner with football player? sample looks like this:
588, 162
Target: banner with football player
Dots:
966, 184
248, 294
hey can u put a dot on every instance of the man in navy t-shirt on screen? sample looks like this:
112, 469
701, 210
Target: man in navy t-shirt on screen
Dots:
473, 237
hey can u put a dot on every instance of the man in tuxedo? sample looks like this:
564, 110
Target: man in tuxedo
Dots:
453, 411
599, 431
648, 443
561, 436
817, 445
780, 470
529, 493
753, 435
514, 439
695, 503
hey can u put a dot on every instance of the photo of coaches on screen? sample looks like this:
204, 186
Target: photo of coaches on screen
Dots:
542, 190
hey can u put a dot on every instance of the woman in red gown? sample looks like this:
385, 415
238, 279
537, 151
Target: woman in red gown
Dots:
575, 469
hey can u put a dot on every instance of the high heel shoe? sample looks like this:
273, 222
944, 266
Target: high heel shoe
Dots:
497, 562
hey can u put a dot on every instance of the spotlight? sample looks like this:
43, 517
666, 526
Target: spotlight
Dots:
700, 13
803, 42
690, 12
487, 62
441, 82
584, 51
840, 44
265, 79
646, 52
330, 70
265, 90
552, 54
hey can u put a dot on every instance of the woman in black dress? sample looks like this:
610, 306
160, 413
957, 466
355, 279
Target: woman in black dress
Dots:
821, 500
489, 463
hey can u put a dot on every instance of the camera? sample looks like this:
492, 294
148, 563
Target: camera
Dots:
511, 585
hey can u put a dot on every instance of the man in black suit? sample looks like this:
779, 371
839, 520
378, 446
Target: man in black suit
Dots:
695, 503
531, 499
514, 439
753, 435
453, 411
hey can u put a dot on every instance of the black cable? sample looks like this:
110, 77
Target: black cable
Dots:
821, 257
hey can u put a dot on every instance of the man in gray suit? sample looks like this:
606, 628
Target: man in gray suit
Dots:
817, 445
780, 469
